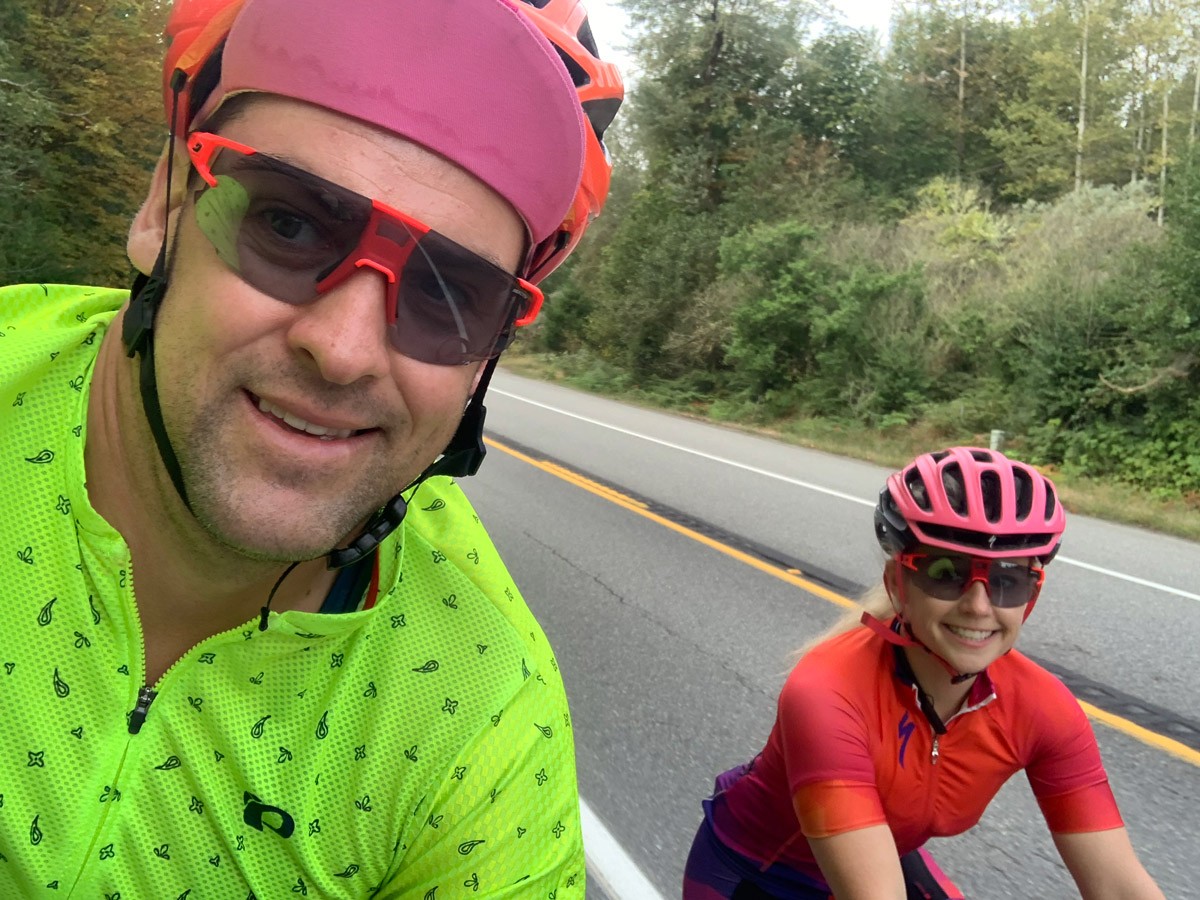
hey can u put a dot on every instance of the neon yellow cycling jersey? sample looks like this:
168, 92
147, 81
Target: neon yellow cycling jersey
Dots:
421, 748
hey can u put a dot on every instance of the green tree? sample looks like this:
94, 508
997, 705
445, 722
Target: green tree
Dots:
29, 240
950, 68
714, 90
809, 334
83, 128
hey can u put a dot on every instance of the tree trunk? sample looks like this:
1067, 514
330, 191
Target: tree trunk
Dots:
1162, 171
1140, 132
1195, 107
1083, 73
960, 142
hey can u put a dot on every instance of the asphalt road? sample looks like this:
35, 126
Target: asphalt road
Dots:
654, 551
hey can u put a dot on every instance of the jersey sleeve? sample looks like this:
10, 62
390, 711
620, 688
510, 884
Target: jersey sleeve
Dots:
504, 821
1065, 771
826, 749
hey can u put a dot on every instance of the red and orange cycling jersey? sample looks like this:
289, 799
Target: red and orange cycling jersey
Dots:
852, 747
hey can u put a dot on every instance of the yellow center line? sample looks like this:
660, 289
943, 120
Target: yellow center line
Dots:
1145, 735
792, 576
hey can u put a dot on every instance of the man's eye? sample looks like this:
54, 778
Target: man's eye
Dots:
289, 226
445, 289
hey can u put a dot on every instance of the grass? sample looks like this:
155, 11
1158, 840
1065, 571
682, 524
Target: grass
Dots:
891, 447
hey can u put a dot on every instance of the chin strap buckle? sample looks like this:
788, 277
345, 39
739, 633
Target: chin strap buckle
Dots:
139, 316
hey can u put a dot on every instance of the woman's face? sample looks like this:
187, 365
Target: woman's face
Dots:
968, 631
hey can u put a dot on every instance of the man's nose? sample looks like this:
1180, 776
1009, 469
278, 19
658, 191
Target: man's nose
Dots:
345, 331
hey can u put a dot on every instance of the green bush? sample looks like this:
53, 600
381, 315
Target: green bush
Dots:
827, 339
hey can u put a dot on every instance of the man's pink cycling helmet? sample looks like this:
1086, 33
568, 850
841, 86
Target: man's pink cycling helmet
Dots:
971, 501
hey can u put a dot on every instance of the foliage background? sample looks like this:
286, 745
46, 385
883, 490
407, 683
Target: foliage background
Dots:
987, 221
80, 128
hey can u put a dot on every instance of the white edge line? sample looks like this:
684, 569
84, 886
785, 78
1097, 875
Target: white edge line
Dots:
1154, 585
1131, 578
700, 453
609, 864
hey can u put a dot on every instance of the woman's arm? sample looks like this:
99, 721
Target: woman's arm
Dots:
1105, 866
861, 864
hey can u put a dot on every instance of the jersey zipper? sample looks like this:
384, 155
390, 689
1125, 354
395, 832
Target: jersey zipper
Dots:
138, 717
146, 694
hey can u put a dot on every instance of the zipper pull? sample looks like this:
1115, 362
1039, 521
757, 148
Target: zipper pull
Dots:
933, 757
136, 718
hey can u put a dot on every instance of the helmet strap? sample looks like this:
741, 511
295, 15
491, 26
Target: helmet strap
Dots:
137, 329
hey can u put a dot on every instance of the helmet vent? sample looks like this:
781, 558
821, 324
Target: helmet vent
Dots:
1051, 501
952, 480
585, 38
989, 484
967, 539
579, 77
601, 113
917, 490
1024, 486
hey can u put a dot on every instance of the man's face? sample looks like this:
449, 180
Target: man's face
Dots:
293, 423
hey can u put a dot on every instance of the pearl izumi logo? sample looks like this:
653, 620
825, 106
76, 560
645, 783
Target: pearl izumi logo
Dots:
259, 815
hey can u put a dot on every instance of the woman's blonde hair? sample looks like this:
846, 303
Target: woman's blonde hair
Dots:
875, 600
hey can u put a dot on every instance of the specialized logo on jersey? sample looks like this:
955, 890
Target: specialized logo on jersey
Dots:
907, 727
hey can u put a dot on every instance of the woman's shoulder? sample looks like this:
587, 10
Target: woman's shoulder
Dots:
854, 658
849, 644
1017, 669
1032, 694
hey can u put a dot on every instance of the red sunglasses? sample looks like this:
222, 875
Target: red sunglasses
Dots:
295, 236
948, 576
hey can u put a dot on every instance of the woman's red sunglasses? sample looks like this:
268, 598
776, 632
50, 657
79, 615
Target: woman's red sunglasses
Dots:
948, 576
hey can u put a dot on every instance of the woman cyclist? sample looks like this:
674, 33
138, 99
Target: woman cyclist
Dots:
903, 730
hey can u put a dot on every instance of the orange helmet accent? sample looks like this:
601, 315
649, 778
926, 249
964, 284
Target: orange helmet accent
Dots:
193, 31
565, 24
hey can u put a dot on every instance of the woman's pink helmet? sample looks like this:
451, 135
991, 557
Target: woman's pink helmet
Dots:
971, 501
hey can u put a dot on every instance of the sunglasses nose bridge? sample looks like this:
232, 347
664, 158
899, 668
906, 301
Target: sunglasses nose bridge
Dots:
980, 571
385, 245
387, 273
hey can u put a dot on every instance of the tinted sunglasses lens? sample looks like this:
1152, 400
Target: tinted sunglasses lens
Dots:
285, 232
943, 577
280, 229
1011, 584
946, 578
453, 306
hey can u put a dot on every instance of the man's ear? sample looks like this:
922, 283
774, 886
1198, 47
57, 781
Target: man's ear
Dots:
150, 226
